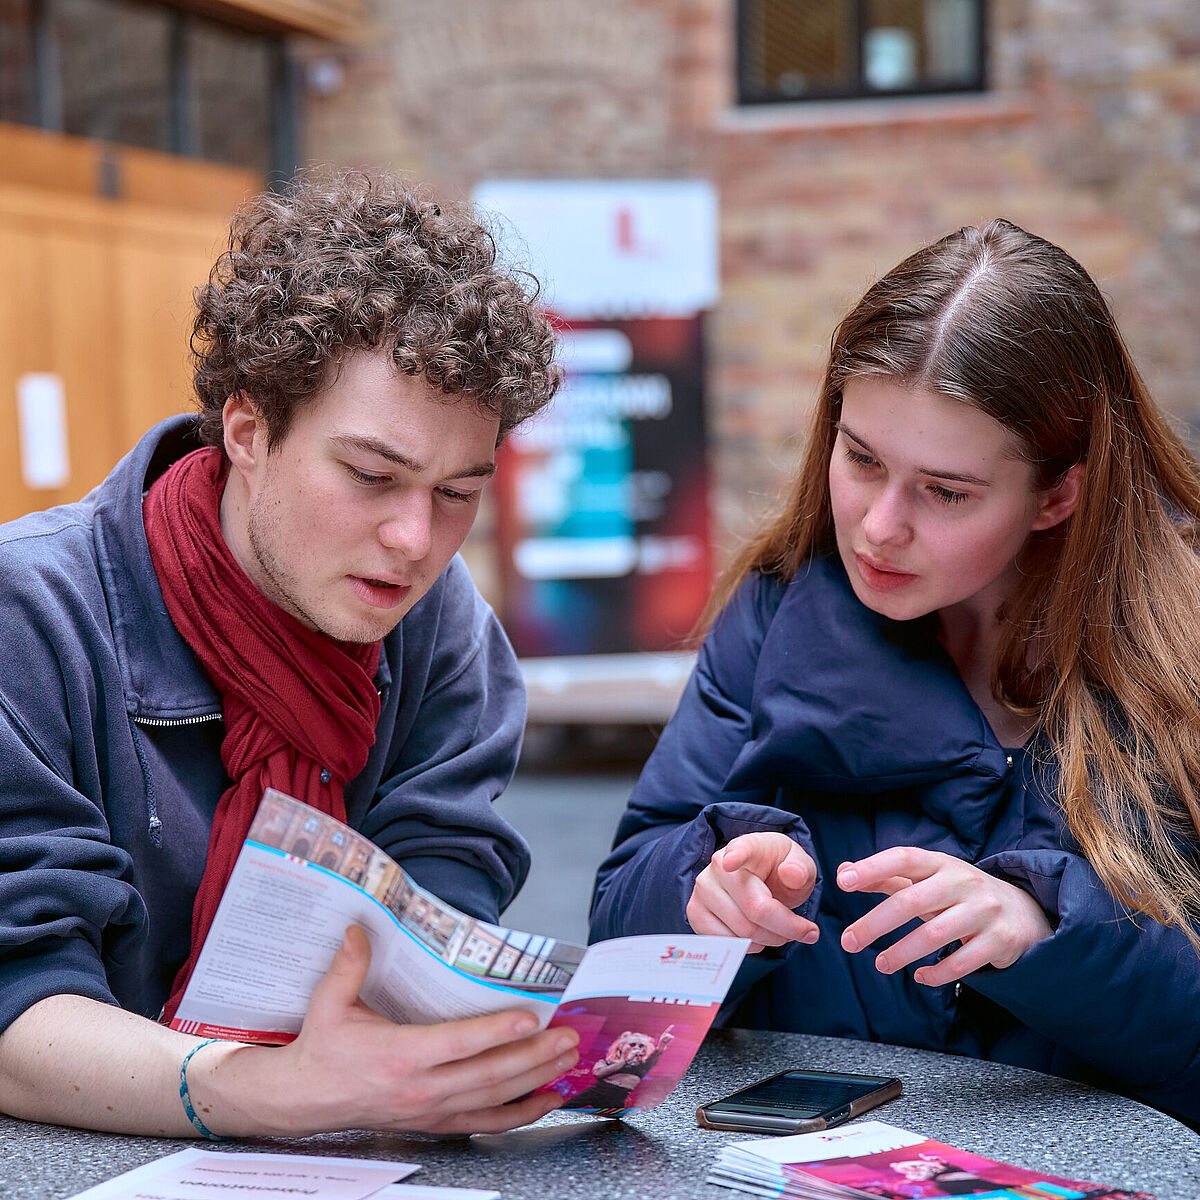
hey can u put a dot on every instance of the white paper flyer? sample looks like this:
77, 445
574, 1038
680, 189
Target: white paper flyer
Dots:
195, 1174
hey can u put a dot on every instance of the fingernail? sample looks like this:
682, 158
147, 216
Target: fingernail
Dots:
567, 1042
847, 878
881, 964
566, 1062
849, 942
811, 936
524, 1024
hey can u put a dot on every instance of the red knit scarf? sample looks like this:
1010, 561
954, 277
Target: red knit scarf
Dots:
300, 708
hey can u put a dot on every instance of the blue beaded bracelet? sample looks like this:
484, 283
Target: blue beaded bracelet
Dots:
202, 1129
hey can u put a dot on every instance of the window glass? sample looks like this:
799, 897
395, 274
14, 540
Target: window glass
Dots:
892, 44
817, 49
16, 61
113, 70
230, 74
953, 42
793, 49
910, 43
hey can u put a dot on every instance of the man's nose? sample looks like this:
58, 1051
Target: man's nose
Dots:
408, 526
887, 521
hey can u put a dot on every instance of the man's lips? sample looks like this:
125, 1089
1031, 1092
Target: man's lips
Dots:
883, 577
381, 592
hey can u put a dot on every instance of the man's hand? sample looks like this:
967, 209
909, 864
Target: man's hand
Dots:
71, 1060
352, 1068
749, 889
995, 921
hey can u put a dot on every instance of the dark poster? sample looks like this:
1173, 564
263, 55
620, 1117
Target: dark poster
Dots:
603, 508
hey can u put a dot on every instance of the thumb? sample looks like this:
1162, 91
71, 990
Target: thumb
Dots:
797, 872
339, 986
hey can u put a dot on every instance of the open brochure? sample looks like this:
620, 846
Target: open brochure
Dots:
874, 1159
642, 1005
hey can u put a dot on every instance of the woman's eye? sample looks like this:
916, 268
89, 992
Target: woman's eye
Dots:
946, 496
859, 458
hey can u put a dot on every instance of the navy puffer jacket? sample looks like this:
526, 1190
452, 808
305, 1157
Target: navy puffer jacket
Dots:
811, 715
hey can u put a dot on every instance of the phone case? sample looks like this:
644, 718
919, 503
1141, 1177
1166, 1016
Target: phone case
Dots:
766, 1123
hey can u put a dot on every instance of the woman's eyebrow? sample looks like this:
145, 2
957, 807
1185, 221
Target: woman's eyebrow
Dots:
933, 472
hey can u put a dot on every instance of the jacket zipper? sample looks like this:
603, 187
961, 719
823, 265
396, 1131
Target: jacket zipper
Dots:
170, 722
154, 824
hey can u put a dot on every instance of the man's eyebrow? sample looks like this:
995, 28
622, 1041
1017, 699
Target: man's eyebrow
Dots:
933, 472
374, 445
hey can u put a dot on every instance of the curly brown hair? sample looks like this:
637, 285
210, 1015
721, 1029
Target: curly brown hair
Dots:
362, 261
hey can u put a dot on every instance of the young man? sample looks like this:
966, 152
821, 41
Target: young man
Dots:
283, 607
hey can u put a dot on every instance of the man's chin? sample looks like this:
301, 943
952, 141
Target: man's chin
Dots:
358, 630
360, 634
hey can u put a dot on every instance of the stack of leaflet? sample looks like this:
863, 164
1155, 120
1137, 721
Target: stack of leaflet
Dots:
874, 1159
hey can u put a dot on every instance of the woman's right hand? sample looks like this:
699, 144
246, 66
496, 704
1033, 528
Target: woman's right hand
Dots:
350, 1068
750, 888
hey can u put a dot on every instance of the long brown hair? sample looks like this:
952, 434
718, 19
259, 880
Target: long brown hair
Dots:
1100, 641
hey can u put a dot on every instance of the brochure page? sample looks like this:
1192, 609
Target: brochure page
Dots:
635, 1044
642, 1005
872, 1158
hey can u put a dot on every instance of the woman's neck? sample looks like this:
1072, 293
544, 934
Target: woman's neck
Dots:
971, 638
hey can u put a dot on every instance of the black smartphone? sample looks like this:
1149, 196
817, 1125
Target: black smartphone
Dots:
798, 1102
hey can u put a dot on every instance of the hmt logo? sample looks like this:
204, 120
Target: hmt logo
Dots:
674, 954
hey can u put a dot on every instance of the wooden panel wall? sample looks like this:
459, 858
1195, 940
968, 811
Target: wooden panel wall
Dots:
339, 20
98, 291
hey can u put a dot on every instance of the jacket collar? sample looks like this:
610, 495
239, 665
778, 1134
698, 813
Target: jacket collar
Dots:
160, 675
846, 700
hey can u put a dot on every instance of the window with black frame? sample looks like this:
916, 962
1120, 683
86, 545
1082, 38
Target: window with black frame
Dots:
790, 50
148, 74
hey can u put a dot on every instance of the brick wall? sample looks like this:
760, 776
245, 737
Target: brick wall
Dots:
1090, 137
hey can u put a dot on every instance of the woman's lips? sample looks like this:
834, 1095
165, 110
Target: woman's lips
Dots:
379, 593
881, 577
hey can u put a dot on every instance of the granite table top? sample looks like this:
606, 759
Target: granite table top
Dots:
1033, 1120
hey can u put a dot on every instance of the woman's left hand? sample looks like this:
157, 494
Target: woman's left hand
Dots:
995, 921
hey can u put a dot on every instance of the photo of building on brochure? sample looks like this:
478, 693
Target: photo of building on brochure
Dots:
488, 952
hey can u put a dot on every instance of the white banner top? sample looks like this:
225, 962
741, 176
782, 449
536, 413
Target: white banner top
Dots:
606, 249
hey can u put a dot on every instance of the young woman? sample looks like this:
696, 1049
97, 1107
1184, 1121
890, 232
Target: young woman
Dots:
940, 756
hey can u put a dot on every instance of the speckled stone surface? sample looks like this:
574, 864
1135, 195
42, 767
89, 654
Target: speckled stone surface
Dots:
1036, 1121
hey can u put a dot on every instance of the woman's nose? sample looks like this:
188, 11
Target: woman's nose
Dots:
886, 521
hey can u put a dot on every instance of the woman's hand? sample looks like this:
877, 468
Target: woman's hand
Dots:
749, 889
995, 921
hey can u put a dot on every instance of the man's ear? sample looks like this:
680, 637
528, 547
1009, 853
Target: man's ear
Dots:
1059, 500
242, 424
